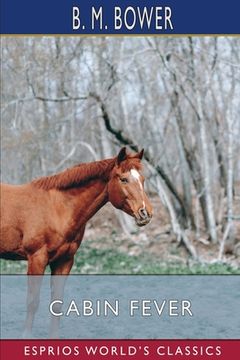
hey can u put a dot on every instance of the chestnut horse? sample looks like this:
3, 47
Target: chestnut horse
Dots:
43, 221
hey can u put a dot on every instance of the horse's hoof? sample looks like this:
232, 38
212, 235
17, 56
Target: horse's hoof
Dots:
53, 336
26, 335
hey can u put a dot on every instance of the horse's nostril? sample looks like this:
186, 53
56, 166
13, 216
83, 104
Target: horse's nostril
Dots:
143, 213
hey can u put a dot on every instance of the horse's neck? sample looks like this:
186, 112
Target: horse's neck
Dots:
87, 200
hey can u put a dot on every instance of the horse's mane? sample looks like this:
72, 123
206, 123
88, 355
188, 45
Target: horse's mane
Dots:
80, 174
75, 176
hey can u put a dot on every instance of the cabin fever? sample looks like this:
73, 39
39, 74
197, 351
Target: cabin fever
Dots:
146, 307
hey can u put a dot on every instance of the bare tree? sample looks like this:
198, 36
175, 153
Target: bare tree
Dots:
67, 100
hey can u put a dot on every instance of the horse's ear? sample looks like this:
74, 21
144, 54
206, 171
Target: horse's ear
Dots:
140, 154
122, 155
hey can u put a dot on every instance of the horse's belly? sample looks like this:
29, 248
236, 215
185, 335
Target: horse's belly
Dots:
13, 256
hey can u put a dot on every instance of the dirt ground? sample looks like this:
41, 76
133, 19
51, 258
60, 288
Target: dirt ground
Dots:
157, 238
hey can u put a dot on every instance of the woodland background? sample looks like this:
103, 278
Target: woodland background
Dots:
66, 100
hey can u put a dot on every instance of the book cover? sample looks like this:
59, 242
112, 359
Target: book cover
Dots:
120, 185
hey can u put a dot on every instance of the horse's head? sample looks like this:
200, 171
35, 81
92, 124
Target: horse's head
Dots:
126, 187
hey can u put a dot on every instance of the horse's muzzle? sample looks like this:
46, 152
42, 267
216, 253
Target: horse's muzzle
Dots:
142, 222
142, 217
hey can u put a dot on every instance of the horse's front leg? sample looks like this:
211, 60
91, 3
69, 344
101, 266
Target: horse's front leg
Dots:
37, 263
61, 267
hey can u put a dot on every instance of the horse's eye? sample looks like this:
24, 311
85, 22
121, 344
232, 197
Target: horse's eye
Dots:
124, 180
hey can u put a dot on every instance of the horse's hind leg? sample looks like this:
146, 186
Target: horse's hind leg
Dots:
36, 267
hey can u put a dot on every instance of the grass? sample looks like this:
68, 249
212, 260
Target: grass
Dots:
111, 261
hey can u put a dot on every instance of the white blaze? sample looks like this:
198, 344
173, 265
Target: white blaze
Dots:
135, 174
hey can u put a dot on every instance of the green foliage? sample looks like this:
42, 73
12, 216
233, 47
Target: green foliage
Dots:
109, 261
90, 260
